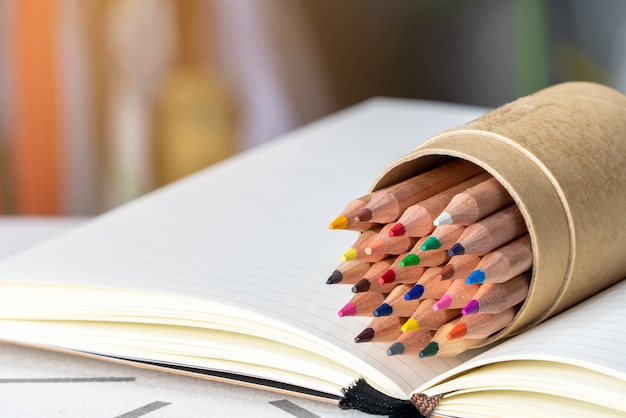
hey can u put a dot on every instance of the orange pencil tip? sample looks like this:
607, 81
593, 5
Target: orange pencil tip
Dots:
457, 332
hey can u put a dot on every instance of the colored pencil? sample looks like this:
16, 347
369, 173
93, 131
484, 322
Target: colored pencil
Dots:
357, 249
386, 205
349, 272
457, 296
417, 220
429, 286
369, 282
475, 203
396, 304
383, 243
494, 298
440, 346
504, 262
443, 237
490, 233
459, 267
362, 304
429, 258
399, 274
411, 342
481, 325
425, 317
381, 329
345, 220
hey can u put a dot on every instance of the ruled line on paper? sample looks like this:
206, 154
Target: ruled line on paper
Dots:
144, 410
69, 380
293, 409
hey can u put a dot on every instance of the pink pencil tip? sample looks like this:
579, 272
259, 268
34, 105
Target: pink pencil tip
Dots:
348, 310
443, 303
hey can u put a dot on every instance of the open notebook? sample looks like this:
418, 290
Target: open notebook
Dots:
224, 272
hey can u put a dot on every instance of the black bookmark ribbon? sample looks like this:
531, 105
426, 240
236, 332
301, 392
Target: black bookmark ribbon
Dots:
363, 397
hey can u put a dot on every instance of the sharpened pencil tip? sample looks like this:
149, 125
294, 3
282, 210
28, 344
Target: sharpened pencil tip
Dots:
364, 336
387, 277
383, 310
376, 247
431, 349
443, 303
444, 218
340, 222
457, 249
364, 215
457, 332
335, 277
472, 307
475, 277
415, 293
431, 243
397, 230
395, 348
410, 260
411, 324
349, 255
348, 310
363, 285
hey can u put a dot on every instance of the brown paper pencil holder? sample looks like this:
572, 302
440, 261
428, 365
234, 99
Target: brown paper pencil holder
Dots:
561, 154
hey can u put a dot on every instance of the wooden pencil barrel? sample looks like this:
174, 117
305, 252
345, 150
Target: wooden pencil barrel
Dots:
561, 154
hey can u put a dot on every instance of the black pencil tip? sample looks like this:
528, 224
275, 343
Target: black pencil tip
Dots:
335, 277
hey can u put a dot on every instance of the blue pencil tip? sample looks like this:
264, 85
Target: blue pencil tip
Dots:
414, 293
457, 249
475, 277
383, 310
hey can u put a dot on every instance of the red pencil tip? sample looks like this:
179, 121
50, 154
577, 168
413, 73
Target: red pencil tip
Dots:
387, 277
397, 230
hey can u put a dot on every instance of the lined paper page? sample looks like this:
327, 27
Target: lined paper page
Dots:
252, 231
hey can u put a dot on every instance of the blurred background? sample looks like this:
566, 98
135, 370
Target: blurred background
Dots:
104, 100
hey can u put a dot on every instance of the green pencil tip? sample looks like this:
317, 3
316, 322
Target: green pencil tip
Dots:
410, 260
431, 243
430, 350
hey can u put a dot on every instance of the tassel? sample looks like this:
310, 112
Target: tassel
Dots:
361, 396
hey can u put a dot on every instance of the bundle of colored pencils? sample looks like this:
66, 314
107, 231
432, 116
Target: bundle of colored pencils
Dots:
443, 261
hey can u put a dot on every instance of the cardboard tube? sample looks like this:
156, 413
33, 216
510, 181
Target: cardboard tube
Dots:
561, 154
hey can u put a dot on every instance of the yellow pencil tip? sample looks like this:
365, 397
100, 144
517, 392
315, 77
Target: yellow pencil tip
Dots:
349, 255
410, 325
340, 222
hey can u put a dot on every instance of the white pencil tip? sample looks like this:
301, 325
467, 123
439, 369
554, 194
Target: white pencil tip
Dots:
443, 219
